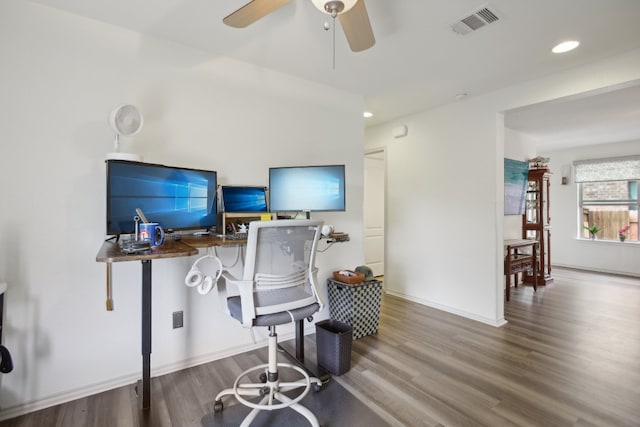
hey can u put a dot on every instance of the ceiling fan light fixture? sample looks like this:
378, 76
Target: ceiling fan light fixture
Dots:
352, 15
334, 7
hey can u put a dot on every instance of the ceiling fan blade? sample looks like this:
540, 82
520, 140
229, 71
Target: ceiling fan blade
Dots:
357, 28
252, 11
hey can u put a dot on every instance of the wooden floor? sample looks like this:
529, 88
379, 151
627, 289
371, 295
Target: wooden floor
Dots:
569, 356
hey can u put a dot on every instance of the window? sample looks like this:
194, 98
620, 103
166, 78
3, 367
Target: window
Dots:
608, 197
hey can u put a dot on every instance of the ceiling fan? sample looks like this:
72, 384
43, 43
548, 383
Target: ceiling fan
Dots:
351, 13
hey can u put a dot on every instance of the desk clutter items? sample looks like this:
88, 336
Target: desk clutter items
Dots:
327, 230
203, 283
135, 246
148, 231
151, 232
338, 236
349, 277
357, 305
147, 235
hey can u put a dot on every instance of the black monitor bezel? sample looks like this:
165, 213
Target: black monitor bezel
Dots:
118, 232
309, 208
223, 208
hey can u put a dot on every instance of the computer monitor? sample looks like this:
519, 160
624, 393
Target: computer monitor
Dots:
176, 198
307, 188
241, 199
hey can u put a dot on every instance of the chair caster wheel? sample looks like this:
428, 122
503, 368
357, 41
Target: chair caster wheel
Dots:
263, 377
317, 387
218, 406
264, 391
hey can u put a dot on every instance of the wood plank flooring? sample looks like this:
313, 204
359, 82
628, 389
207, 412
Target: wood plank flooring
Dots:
569, 356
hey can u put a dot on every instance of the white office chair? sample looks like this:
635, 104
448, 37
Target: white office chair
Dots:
278, 286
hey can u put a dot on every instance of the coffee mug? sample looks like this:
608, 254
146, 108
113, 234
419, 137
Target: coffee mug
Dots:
151, 232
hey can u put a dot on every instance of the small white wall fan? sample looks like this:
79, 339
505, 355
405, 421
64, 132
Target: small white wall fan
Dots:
125, 120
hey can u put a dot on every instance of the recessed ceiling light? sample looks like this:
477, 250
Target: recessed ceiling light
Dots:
565, 46
367, 114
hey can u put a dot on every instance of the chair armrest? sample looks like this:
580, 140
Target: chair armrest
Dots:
314, 286
245, 289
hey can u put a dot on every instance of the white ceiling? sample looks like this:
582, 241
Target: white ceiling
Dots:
417, 63
598, 117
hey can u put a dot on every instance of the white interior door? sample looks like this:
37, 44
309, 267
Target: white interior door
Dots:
374, 179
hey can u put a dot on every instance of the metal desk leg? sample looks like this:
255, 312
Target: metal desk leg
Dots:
314, 370
300, 340
146, 334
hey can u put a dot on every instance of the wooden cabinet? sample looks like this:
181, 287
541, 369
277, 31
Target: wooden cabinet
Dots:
536, 223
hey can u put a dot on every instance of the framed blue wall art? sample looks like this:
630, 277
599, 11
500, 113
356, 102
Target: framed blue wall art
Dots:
515, 186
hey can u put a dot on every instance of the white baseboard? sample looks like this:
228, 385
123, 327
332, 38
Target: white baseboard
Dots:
462, 313
595, 270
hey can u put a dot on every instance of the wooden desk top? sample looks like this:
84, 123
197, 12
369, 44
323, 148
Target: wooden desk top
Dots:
220, 240
188, 245
112, 252
210, 240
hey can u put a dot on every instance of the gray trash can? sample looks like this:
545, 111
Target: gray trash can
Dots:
333, 343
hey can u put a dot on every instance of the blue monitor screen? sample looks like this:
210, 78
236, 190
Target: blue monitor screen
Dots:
176, 198
307, 188
244, 199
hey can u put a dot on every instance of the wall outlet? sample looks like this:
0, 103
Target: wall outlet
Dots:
178, 319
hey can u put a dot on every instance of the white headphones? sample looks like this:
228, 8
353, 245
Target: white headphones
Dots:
196, 278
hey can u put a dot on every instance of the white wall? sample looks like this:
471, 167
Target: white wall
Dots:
445, 191
441, 222
61, 76
569, 251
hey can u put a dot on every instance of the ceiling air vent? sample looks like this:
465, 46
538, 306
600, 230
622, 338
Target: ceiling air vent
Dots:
476, 20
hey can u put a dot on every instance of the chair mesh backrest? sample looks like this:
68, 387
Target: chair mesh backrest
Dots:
280, 260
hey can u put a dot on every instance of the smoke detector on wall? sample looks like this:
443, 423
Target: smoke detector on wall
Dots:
477, 19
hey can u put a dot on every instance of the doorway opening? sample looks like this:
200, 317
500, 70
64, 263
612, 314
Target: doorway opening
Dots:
374, 210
